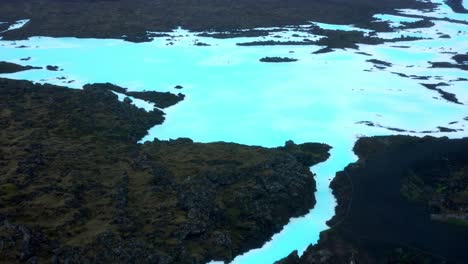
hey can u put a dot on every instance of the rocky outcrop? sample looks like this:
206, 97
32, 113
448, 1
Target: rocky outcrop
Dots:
8, 67
457, 6
460, 62
446, 95
76, 188
161, 99
277, 59
53, 68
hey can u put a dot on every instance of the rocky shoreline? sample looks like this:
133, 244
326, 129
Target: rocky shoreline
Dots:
413, 185
77, 188
8, 67
131, 20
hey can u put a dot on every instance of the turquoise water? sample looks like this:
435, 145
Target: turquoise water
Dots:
232, 96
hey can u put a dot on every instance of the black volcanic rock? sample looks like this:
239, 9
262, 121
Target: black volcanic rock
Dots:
446, 129
109, 19
448, 65
292, 258
380, 62
323, 50
275, 43
201, 44
446, 95
457, 6
161, 99
52, 68
423, 23
236, 33
461, 58
403, 201
277, 59
75, 187
461, 62
8, 67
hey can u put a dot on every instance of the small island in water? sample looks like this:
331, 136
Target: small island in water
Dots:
277, 59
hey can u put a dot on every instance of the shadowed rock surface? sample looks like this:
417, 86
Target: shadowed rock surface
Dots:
404, 201
76, 188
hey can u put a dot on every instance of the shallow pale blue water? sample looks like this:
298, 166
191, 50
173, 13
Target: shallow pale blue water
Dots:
231, 96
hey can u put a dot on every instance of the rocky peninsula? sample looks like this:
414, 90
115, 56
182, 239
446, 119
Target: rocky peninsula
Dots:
77, 188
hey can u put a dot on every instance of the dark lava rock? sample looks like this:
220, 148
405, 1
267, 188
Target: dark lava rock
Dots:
127, 100
457, 6
8, 67
275, 43
448, 65
446, 129
161, 99
109, 19
423, 23
363, 53
323, 50
380, 62
292, 258
201, 44
277, 59
446, 95
77, 188
138, 38
401, 202
178, 87
460, 59
52, 68
338, 39
236, 33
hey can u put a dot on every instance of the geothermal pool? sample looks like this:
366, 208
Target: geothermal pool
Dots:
232, 96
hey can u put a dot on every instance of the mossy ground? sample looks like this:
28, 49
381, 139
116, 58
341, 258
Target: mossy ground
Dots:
75, 186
